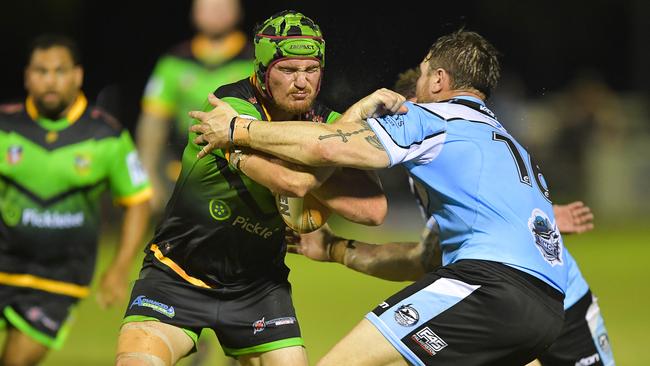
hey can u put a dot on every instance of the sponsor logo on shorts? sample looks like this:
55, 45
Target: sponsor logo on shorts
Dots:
589, 360
219, 210
429, 341
52, 219
245, 224
603, 342
36, 315
260, 325
547, 237
406, 315
154, 305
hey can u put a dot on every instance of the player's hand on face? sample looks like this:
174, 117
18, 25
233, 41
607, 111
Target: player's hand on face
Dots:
382, 102
314, 245
573, 218
214, 127
112, 287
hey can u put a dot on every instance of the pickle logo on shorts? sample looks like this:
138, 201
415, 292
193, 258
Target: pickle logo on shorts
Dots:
406, 315
547, 237
260, 325
219, 210
153, 305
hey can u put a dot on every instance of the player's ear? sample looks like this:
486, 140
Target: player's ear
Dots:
438, 79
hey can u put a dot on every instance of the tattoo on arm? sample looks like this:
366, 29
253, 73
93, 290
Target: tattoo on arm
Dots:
372, 140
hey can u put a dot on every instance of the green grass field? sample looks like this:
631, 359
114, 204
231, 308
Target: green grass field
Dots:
330, 299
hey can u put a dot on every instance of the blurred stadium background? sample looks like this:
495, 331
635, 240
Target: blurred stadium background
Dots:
575, 90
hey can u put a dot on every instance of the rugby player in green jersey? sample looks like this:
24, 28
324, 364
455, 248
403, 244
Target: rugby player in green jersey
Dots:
218, 54
217, 258
60, 155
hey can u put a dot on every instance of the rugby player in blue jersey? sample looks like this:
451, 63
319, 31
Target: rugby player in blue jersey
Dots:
498, 297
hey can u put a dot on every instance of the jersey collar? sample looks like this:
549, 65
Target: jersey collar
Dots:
76, 110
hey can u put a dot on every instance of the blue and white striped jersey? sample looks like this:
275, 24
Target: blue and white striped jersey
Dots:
482, 189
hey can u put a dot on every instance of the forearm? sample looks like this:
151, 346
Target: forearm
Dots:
354, 195
316, 144
282, 177
134, 226
152, 133
391, 261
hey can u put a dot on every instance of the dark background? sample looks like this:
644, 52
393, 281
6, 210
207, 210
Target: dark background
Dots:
544, 43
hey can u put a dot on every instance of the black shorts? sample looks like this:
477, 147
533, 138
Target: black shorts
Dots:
42, 316
472, 313
258, 321
584, 339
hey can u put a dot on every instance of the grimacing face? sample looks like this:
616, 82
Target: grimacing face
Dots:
53, 80
294, 84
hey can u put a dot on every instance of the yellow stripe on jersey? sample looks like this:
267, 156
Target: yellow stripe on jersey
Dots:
77, 108
44, 284
134, 199
176, 268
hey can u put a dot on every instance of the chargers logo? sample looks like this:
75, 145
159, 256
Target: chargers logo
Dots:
547, 237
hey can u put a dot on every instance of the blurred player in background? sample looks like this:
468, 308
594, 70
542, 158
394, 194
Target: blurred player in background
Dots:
60, 155
218, 54
217, 259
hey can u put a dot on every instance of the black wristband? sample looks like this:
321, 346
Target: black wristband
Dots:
231, 131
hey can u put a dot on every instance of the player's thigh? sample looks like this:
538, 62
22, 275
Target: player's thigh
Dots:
363, 346
151, 343
534, 363
20, 349
289, 356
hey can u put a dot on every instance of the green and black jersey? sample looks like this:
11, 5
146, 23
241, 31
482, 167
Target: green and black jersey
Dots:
52, 174
184, 76
221, 229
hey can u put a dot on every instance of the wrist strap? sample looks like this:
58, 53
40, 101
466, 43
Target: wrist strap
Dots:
231, 130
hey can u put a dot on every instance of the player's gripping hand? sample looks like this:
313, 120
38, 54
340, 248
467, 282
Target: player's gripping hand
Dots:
315, 245
381, 102
213, 131
573, 218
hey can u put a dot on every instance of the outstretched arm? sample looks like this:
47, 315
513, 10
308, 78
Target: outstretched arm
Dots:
391, 261
349, 142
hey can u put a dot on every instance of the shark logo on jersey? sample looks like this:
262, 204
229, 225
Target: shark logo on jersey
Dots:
547, 237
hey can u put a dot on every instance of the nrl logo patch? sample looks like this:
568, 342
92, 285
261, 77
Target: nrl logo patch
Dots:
547, 237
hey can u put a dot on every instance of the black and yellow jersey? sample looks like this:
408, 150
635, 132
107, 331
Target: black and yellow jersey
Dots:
221, 229
52, 174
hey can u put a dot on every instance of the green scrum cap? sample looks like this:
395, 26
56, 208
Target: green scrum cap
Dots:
287, 34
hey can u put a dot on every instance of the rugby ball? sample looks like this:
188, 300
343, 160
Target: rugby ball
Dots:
303, 215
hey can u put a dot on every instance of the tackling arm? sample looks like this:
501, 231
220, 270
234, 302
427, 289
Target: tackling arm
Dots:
349, 142
391, 261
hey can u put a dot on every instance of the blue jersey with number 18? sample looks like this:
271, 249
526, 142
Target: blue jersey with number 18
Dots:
482, 188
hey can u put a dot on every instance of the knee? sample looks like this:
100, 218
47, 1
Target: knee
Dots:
151, 344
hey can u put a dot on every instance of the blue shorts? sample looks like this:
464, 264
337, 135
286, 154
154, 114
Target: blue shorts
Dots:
472, 312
